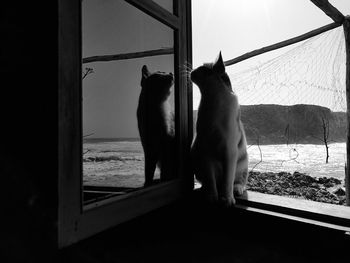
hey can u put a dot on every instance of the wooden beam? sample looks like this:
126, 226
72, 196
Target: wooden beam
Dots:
329, 10
142, 54
327, 213
157, 12
282, 44
346, 26
69, 119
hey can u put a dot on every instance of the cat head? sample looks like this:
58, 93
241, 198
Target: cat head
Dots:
211, 74
158, 83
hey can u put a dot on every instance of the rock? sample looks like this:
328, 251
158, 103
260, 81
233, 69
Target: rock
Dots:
342, 200
284, 174
323, 180
290, 177
334, 180
328, 184
339, 192
271, 190
297, 174
284, 184
315, 185
310, 194
297, 185
323, 192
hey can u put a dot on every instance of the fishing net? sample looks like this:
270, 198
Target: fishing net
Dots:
311, 72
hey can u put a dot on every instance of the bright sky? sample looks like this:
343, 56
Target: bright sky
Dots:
236, 26
110, 94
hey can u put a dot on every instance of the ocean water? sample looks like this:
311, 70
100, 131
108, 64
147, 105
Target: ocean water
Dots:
113, 162
118, 162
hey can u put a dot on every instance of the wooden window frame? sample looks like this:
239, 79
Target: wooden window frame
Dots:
335, 217
75, 221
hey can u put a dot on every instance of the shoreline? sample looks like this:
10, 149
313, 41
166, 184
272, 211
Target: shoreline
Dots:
298, 185
263, 143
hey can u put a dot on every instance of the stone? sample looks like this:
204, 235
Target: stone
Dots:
334, 180
339, 192
310, 193
315, 185
329, 184
297, 185
323, 180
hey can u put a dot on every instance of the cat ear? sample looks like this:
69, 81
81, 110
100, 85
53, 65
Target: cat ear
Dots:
219, 66
145, 72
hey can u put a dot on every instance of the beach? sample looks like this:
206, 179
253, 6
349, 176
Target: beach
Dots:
296, 171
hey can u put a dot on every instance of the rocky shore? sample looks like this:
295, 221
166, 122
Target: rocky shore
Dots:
298, 185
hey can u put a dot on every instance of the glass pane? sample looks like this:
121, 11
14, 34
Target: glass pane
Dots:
113, 154
115, 27
166, 4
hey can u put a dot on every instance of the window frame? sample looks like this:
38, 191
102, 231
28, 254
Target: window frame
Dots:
331, 216
75, 221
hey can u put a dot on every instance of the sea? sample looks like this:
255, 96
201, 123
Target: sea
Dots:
120, 162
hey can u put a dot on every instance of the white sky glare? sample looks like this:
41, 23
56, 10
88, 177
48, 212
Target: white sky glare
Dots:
235, 27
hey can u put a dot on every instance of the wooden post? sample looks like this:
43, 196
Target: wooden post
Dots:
329, 10
346, 26
142, 54
282, 44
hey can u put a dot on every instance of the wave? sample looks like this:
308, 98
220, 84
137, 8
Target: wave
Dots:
103, 140
111, 158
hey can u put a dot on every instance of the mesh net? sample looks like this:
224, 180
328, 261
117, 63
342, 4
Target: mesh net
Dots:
311, 72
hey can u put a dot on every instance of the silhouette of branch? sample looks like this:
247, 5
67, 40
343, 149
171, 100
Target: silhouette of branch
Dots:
286, 133
258, 144
87, 72
87, 135
84, 136
325, 126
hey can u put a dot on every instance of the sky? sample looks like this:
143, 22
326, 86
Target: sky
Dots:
235, 27
110, 94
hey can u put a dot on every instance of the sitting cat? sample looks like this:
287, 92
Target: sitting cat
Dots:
219, 151
156, 124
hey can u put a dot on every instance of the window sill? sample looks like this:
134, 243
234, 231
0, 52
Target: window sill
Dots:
331, 216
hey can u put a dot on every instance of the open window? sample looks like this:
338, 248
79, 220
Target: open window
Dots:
100, 156
103, 48
286, 89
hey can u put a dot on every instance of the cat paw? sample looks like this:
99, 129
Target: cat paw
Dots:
239, 189
227, 201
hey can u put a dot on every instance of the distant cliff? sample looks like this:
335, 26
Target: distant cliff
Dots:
276, 124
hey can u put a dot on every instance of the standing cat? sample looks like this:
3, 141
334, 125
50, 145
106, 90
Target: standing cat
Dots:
156, 124
219, 151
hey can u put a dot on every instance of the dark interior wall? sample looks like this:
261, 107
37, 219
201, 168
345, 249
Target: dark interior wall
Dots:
190, 232
29, 127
